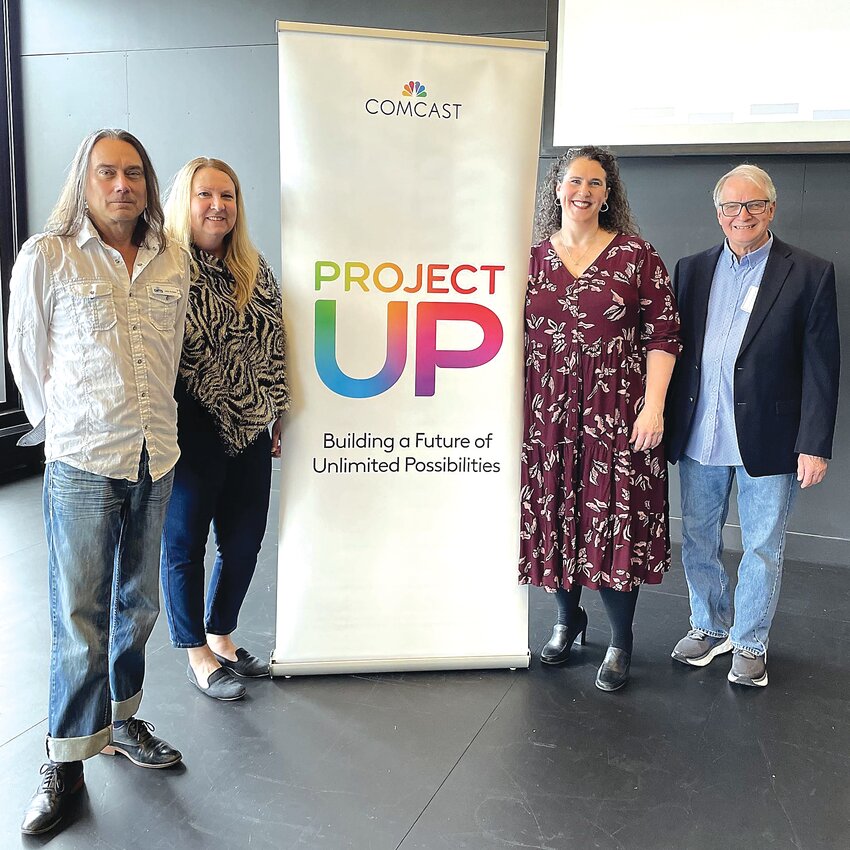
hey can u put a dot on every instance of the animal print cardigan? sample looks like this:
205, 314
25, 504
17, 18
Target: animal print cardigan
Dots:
234, 364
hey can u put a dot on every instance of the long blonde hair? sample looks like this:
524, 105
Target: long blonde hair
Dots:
240, 255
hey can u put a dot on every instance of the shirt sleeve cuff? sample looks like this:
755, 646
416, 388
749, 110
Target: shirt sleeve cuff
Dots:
34, 437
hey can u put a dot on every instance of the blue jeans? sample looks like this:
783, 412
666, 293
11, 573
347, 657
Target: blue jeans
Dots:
764, 505
103, 551
232, 493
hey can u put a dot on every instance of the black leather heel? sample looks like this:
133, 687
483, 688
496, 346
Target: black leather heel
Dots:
614, 672
557, 651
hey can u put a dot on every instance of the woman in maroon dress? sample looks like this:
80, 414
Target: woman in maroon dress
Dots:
601, 340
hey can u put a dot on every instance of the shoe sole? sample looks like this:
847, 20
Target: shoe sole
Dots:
610, 690
265, 675
222, 699
703, 660
554, 662
111, 750
206, 693
193, 680
745, 680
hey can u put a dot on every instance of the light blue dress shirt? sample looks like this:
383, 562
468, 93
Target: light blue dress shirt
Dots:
713, 440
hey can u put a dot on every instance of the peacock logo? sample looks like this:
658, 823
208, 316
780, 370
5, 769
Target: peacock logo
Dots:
414, 89
412, 104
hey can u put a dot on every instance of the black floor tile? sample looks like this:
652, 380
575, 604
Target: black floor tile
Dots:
536, 758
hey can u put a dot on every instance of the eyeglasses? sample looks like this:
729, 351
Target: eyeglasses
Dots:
734, 208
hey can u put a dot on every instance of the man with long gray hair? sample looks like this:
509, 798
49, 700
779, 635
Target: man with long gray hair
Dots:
753, 398
95, 329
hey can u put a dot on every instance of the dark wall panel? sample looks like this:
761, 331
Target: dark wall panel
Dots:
159, 55
84, 26
672, 199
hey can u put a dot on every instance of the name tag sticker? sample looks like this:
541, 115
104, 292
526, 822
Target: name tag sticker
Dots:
750, 299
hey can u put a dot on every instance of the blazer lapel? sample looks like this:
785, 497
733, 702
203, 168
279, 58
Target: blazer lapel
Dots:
772, 281
701, 286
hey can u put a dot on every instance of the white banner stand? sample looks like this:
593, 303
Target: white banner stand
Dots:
408, 167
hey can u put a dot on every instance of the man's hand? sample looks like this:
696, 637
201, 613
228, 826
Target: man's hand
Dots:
811, 470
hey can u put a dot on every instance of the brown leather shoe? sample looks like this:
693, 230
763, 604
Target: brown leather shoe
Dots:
59, 782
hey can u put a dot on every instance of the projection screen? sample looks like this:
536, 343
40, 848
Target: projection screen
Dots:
663, 73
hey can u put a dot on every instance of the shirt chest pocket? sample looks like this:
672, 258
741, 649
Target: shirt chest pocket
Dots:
94, 304
163, 300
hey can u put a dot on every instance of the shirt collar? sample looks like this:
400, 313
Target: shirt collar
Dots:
207, 257
750, 260
88, 232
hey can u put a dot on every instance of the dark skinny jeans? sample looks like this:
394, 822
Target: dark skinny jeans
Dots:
232, 494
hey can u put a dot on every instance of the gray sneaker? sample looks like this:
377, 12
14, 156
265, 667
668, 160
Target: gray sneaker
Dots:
698, 649
748, 669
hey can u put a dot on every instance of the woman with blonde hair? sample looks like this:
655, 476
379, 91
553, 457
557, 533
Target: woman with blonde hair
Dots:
231, 386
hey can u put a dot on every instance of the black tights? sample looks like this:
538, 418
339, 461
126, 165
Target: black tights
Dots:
619, 605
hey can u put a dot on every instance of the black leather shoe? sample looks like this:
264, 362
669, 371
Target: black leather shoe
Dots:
59, 781
614, 672
134, 740
557, 651
220, 685
246, 665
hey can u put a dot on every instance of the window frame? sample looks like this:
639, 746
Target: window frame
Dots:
13, 421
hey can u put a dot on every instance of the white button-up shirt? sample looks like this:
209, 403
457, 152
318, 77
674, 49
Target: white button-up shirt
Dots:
94, 350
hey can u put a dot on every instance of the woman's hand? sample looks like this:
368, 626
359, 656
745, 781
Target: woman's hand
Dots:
276, 438
648, 428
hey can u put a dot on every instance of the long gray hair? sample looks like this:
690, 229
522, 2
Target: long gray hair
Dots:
67, 216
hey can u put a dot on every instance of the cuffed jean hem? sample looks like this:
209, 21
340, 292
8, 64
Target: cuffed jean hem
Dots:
221, 633
758, 651
709, 632
125, 709
77, 749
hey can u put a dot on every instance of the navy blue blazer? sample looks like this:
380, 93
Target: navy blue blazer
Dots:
786, 373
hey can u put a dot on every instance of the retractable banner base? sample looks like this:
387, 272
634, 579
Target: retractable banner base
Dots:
400, 665
408, 168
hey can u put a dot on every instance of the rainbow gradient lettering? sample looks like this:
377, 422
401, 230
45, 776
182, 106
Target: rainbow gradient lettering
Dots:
325, 352
356, 280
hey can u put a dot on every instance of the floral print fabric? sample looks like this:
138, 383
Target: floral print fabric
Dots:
593, 510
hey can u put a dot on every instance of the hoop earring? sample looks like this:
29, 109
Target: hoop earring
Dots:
604, 207
557, 200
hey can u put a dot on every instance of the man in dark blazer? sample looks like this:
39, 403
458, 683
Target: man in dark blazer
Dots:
753, 397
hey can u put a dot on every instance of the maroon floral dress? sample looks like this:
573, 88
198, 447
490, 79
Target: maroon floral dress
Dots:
593, 510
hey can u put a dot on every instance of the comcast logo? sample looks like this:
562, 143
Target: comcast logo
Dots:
412, 104
414, 89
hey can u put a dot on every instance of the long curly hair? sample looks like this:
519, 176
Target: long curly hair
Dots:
617, 218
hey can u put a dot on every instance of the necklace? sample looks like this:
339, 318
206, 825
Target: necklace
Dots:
577, 262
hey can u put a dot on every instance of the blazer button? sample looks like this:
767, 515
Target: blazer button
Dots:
691, 399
